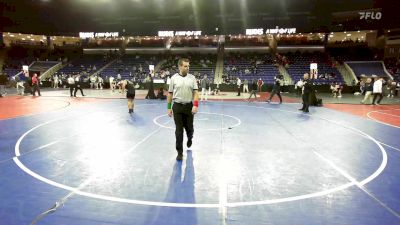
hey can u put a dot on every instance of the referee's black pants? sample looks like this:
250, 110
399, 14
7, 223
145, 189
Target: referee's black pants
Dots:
183, 118
71, 89
78, 87
277, 91
306, 102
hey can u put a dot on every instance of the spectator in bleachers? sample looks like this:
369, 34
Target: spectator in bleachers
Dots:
377, 90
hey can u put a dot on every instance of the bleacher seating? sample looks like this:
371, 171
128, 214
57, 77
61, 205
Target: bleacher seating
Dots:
129, 66
86, 63
299, 63
250, 67
199, 65
42, 65
367, 68
12, 72
393, 67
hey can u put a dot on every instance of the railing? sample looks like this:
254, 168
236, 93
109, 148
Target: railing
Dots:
102, 68
286, 75
351, 72
50, 72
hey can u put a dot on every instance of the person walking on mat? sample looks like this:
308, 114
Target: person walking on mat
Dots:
130, 95
277, 88
183, 92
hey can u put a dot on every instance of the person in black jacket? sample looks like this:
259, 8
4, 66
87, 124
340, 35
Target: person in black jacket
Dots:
254, 88
307, 89
150, 93
277, 88
78, 85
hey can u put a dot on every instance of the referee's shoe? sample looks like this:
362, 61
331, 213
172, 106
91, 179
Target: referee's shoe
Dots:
189, 143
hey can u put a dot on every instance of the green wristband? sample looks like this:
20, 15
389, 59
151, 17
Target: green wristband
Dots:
169, 105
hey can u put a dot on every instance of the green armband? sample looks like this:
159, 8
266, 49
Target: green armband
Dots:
169, 105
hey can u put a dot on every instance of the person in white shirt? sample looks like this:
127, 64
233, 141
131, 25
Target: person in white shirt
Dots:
238, 83
71, 84
246, 86
298, 87
55, 80
112, 84
100, 82
92, 82
204, 86
377, 90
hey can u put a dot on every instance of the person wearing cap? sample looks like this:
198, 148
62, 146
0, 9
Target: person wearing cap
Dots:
183, 92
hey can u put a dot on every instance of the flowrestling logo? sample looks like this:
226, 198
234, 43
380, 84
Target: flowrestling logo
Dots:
370, 15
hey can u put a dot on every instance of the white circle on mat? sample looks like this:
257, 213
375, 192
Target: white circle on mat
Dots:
238, 122
206, 205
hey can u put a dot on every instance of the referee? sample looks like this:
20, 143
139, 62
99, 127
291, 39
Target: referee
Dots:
183, 91
306, 90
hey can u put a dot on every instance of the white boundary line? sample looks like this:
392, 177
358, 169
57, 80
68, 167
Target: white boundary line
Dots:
387, 114
204, 205
155, 120
353, 180
378, 121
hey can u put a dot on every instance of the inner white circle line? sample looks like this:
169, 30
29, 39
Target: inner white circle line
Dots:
204, 205
155, 120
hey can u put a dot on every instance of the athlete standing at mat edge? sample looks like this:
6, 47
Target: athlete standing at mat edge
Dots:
183, 92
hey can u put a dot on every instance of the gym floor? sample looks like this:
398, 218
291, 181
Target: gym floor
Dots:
87, 161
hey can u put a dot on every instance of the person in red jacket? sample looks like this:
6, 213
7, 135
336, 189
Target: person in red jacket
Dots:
35, 85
